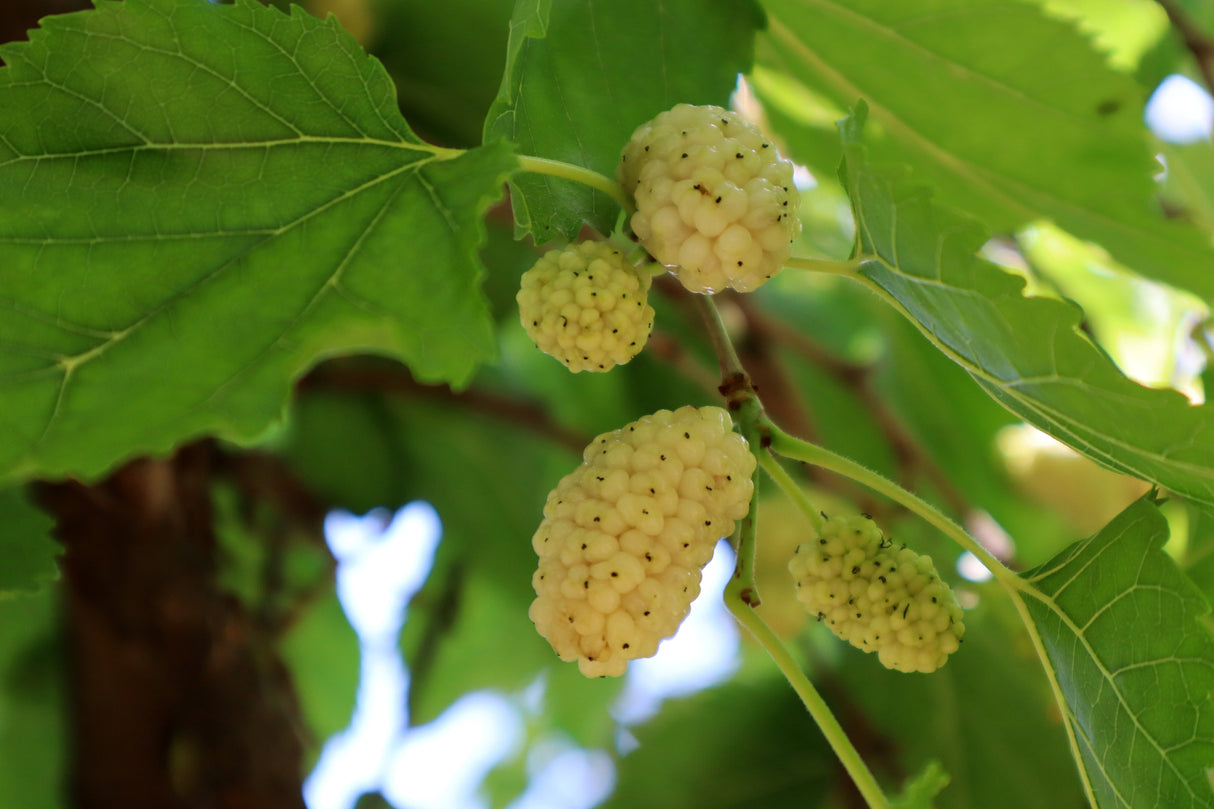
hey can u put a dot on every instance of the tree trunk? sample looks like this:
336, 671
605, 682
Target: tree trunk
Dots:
179, 699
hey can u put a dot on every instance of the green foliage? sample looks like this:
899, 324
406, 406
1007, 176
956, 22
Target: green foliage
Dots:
208, 299
322, 652
1027, 353
1123, 633
25, 545
202, 203
919, 792
986, 718
33, 704
756, 751
1031, 147
581, 77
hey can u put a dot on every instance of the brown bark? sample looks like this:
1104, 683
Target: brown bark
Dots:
178, 698
19, 16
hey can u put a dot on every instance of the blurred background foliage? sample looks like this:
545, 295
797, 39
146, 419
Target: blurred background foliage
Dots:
832, 363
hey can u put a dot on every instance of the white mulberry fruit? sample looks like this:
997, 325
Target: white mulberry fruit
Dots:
587, 306
878, 598
714, 201
626, 534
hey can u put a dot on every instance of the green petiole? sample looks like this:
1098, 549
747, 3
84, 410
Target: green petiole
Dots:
578, 174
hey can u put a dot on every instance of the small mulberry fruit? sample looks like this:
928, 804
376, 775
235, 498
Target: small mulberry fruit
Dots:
714, 202
878, 598
587, 306
626, 534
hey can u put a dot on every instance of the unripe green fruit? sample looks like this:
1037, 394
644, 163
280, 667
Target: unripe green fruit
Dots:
587, 306
626, 534
714, 201
878, 598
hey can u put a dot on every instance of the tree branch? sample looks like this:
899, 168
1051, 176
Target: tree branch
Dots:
396, 379
1195, 40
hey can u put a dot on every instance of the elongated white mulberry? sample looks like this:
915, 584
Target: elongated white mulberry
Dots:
626, 534
587, 306
878, 598
714, 201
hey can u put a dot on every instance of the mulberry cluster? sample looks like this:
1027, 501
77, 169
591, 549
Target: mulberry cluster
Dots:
625, 535
878, 598
713, 199
587, 306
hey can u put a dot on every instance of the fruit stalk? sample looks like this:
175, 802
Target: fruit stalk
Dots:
782, 443
835, 735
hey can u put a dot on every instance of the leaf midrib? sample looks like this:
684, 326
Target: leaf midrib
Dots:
219, 146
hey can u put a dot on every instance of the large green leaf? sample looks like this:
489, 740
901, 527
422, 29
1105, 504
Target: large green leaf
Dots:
969, 93
27, 551
1028, 353
1121, 630
581, 76
196, 202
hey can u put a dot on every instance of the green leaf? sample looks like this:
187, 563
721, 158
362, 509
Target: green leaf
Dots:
34, 704
969, 93
487, 477
199, 202
27, 552
323, 654
1122, 632
1027, 353
919, 792
468, 627
988, 716
581, 77
741, 744
1189, 186
445, 60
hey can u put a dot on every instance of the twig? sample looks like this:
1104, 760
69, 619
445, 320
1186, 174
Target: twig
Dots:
909, 454
519, 412
1198, 43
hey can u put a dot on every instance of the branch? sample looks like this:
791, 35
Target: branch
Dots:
908, 452
397, 380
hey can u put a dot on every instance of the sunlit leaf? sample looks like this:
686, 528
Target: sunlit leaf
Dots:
221, 195
969, 93
1028, 353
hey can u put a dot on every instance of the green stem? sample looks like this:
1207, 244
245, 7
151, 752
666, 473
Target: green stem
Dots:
741, 595
823, 265
791, 447
817, 707
579, 174
795, 492
744, 547
727, 355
